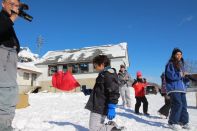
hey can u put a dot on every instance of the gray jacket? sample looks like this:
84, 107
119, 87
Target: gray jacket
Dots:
124, 78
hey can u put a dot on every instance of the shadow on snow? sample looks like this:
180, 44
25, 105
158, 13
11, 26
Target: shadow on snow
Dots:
78, 127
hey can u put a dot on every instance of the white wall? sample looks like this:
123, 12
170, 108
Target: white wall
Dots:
21, 81
44, 75
115, 63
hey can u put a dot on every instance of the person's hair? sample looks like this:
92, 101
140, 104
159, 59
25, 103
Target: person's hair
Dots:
173, 59
101, 59
6, 0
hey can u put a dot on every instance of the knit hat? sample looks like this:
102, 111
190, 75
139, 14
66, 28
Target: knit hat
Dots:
139, 73
176, 50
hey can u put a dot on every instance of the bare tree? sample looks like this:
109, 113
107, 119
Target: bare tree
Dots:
191, 66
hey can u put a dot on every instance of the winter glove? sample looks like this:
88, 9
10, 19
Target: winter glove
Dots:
111, 111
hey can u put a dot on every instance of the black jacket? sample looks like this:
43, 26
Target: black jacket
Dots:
105, 91
8, 36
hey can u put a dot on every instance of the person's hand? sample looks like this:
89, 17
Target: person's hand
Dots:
183, 74
111, 111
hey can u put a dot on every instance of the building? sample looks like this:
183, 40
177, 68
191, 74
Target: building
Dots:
79, 62
27, 74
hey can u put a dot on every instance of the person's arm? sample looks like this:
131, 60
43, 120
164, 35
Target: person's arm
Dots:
112, 88
112, 91
171, 73
121, 77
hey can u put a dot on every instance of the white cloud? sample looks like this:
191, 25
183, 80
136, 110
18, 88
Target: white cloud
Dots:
186, 19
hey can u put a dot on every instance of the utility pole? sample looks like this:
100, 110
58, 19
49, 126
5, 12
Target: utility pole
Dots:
39, 43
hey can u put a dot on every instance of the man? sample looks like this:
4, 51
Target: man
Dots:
125, 93
9, 47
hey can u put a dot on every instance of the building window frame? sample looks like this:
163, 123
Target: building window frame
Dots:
26, 76
52, 69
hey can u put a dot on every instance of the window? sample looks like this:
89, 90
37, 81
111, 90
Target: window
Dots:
83, 67
75, 68
26, 76
34, 77
52, 70
65, 68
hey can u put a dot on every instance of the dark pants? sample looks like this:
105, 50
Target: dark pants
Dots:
164, 110
138, 104
178, 112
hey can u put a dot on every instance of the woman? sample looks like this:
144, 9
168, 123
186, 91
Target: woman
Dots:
176, 89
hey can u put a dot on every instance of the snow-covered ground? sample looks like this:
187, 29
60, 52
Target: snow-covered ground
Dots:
65, 112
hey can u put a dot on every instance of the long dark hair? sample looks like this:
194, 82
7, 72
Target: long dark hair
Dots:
177, 64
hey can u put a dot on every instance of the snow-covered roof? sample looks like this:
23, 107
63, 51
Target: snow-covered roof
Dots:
84, 54
29, 66
25, 52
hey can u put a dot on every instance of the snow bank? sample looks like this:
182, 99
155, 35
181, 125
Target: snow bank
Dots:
65, 112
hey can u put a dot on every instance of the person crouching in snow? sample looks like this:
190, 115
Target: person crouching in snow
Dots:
139, 84
104, 97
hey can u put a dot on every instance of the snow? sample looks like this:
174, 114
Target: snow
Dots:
65, 112
28, 66
118, 50
26, 53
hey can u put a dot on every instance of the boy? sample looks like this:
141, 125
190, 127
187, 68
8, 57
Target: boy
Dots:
139, 85
104, 96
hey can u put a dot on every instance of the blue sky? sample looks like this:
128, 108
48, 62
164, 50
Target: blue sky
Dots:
152, 28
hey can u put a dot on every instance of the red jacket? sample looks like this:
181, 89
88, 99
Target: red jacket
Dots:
139, 88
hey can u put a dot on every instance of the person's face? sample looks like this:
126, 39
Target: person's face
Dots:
99, 67
9, 5
122, 69
139, 77
178, 56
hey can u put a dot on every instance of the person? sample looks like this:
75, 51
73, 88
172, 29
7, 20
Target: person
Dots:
9, 47
125, 93
164, 110
104, 96
139, 86
176, 84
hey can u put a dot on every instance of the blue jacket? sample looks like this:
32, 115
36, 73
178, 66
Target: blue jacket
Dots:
174, 81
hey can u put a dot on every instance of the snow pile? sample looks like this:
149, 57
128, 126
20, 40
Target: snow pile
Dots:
65, 112
25, 55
